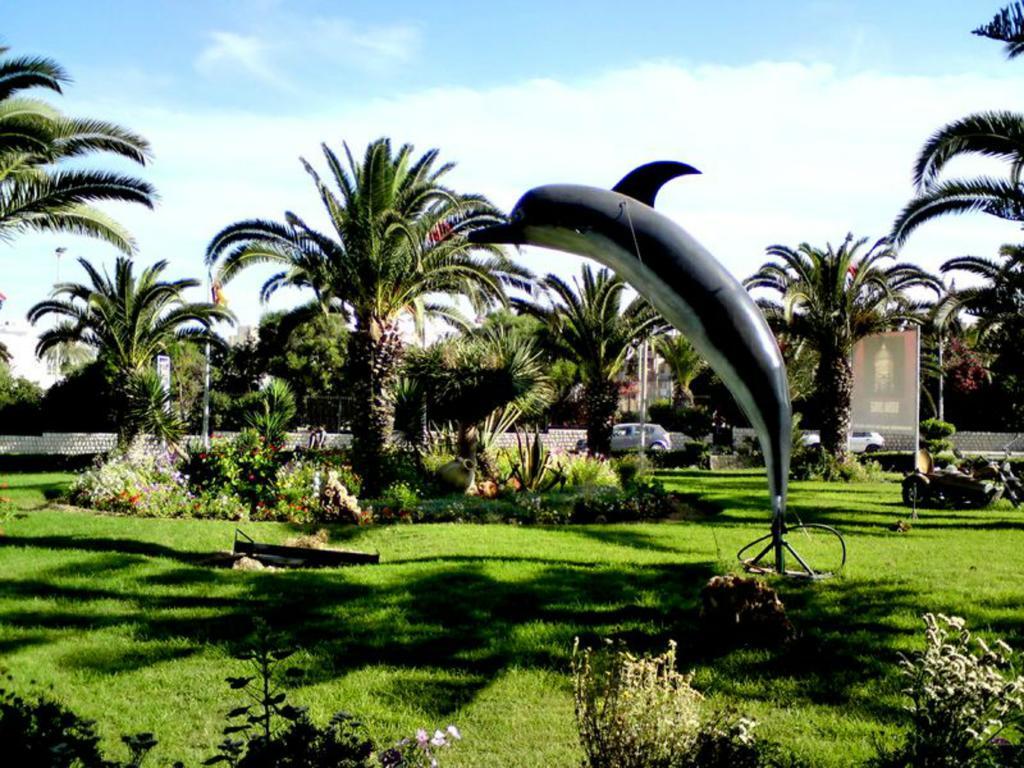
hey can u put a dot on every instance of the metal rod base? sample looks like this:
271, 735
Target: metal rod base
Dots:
778, 546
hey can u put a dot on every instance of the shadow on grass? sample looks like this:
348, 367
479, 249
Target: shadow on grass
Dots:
476, 616
103, 544
473, 617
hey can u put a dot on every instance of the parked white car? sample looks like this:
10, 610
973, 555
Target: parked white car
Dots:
866, 442
860, 441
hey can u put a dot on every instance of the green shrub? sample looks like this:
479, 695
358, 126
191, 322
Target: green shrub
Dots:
245, 467
435, 457
536, 508
936, 436
399, 498
403, 466
816, 464
630, 467
299, 483
588, 472
692, 454
639, 500
892, 461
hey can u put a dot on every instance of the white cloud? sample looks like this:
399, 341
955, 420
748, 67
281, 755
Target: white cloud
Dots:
790, 152
371, 47
281, 43
231, 51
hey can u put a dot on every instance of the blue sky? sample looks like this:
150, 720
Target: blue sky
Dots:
423, 45
804, 116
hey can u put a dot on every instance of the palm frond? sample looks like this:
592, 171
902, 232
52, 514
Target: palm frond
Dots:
1007, 27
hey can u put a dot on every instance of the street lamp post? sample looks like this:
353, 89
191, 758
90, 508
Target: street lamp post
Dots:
206, 377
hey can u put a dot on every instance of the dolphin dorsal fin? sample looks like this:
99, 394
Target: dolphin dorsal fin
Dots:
644, 183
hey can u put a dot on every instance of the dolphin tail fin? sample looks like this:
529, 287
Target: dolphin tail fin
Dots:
644, 183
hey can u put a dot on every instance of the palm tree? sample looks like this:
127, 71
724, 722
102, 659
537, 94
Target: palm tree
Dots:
998, 135
398, 241
128, 321
830, 299
37, 191
684, 363
1008, 27
997, 301
590, 328
66, 357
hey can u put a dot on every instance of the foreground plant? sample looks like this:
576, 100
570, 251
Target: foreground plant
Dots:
41, 733
965, 696
633, 711
422, 750
640, 712
269, 732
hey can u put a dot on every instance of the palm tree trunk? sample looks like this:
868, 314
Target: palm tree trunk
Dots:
600, 402
678, 399
835, 385
375, 350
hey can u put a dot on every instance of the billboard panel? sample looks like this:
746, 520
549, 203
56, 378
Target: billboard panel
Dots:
885, 382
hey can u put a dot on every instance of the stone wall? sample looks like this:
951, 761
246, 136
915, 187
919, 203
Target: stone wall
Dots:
79, 443
968, 442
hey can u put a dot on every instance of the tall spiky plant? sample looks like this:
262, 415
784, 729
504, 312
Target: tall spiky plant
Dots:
465, 379
38, 192
128, 320
398, 241
831, 298
591, 328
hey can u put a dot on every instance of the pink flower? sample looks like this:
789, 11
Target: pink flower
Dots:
438, 740
454, 732
422, 737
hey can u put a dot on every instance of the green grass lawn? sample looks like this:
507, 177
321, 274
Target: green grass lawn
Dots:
474, 625
25, 491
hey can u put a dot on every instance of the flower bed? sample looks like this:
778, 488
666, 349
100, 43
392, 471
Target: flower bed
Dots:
246, 478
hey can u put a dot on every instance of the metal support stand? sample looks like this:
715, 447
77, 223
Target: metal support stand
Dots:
776, 545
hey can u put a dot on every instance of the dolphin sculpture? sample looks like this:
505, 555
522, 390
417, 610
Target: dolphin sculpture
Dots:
684, 282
